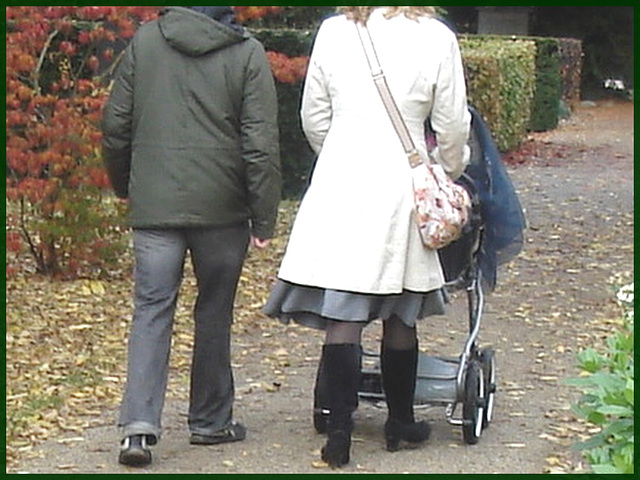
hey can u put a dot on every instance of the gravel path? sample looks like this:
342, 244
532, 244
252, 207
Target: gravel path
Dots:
576, 185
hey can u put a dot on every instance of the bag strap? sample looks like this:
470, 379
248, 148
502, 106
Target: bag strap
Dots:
387, 98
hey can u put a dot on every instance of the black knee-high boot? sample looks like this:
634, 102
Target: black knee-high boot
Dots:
320, 397
321, 394
399, 368
341, 370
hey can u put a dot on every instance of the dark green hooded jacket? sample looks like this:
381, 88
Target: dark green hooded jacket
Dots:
190, 132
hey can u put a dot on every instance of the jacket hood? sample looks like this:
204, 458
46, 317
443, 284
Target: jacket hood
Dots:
195, 34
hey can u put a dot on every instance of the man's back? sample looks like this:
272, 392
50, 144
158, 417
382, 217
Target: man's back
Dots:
195, 103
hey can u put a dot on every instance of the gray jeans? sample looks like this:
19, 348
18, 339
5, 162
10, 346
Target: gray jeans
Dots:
217, 255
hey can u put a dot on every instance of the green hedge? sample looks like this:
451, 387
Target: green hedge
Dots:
558, 69
295, 153
501, 85
545, 108
291, 42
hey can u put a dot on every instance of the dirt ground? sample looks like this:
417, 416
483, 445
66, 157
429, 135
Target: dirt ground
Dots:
576, 185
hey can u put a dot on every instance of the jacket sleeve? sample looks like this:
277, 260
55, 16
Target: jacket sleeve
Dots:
316, 111
450, 117
260, 144
117, 126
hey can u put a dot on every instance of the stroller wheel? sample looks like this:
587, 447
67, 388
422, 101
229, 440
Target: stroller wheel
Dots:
488, 362
473, 404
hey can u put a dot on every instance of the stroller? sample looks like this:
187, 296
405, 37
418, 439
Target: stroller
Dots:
493, 236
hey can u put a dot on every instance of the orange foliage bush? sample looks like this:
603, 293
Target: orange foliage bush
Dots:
57, 68
59, 63
287, 69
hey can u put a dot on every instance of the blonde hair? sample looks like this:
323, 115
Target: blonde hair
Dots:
361, 14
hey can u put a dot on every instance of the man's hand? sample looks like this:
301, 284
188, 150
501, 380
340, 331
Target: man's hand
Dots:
259, 243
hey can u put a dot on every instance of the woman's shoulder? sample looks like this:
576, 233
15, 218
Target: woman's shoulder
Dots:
337, 21
333, 29
437, 27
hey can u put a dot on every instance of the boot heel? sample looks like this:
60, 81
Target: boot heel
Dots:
392, 435
336, 450
393, 443
411, 433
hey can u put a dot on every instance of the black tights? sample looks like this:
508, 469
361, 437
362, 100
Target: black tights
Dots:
395, 334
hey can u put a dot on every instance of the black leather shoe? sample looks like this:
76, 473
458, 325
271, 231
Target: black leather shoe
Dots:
233, 433
134, 451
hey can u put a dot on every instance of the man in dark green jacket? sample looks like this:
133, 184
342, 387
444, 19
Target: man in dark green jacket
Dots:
191, 140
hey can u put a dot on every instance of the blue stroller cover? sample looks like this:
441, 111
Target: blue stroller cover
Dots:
502, 216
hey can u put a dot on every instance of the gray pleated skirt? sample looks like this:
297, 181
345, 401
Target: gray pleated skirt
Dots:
313, 307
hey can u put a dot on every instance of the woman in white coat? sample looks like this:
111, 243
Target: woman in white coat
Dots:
354, 253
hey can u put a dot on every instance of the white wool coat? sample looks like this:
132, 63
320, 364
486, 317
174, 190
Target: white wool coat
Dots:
355, 230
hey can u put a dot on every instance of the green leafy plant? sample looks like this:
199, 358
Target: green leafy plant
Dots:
608, 397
